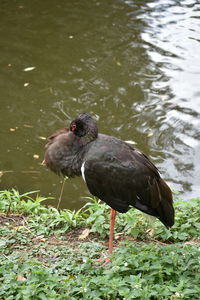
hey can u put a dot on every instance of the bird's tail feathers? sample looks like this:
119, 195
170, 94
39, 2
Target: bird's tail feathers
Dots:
165, 209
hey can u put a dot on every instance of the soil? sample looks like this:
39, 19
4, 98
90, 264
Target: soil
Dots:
75, 236
13, 220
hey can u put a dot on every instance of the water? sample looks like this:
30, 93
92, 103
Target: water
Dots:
135, 65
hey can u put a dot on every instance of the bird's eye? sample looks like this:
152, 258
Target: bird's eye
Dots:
73, 127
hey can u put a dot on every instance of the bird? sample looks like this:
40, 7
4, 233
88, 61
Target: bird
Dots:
113, 170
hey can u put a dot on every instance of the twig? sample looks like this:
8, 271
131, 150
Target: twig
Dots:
159, 242
61, 192
6, 257
31, 172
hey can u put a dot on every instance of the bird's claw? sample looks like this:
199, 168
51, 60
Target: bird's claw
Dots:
107, 260
104, 259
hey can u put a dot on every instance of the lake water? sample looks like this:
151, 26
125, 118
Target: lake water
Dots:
134, 65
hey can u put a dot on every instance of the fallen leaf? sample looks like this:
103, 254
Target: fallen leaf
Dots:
150, 134
29, 69
43, 240
151, 232
39, 237
36, 156
118, 63
28, 126
131, 142
21, 278
117, 235
71, 276
84, 234
17, 227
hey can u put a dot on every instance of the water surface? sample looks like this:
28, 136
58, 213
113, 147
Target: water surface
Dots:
134, 65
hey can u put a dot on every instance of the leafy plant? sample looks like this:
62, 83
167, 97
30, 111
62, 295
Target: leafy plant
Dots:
95, 214
12, 201
136, 272
38, 261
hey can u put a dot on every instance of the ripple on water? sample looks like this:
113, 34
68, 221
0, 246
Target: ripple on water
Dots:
133, 64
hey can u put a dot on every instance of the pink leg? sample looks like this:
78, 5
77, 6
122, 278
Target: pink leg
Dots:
110, 245
112, 224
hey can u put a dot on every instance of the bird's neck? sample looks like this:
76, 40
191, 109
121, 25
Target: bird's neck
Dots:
74, 161
66, 152
85, 140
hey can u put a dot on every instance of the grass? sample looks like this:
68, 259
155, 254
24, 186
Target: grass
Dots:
43, 257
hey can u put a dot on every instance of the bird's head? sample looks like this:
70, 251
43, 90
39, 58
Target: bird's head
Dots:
84, 127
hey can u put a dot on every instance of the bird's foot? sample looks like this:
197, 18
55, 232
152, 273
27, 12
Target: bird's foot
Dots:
104, 260
107, 260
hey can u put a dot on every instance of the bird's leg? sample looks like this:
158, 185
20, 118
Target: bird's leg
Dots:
112, 224
111, 237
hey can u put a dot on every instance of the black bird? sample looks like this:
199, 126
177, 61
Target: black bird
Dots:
113, 170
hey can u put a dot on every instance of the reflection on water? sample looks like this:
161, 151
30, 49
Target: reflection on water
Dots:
135, 65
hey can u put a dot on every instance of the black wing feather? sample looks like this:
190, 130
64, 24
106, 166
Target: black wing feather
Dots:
130, 182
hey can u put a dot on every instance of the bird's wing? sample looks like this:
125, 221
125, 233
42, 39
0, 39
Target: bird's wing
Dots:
124, 182
52, 137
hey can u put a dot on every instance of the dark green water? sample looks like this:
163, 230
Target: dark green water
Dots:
135, 65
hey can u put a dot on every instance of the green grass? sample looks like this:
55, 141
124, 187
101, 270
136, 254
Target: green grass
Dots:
42, 258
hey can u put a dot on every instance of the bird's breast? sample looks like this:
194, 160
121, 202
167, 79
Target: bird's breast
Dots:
83, 171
